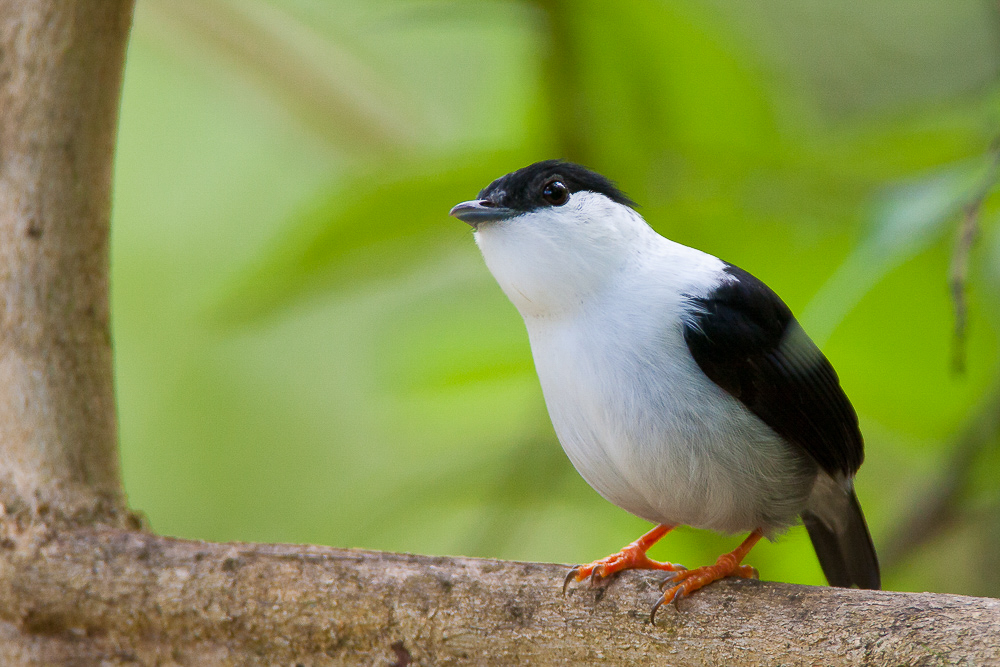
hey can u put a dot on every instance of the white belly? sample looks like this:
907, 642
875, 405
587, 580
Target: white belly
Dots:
659, 439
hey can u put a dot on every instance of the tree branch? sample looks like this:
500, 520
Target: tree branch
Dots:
959, 271
102, 594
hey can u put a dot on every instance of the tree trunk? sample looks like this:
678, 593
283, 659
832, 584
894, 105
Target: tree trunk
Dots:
60, 79
78, 587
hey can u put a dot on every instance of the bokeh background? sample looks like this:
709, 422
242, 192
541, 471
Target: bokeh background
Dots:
310, 350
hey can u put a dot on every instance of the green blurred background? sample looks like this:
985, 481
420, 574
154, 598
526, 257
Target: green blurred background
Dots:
310, 350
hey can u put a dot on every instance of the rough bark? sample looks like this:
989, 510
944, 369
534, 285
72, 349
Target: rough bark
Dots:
60, 78
118, 597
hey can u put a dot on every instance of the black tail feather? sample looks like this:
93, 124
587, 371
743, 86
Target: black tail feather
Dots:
844, 545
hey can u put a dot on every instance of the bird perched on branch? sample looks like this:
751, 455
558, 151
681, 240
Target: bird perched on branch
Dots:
681, 387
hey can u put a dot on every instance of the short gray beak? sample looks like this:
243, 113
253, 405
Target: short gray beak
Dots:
480, 210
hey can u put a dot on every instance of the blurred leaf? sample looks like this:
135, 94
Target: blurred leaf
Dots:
462, 338
503, 488
320, 78
376, 226
854, 58
677, 88
990, 264
906, 219
400, 410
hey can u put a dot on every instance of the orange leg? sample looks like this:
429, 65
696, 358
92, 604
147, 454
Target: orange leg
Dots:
686, 582
630, 557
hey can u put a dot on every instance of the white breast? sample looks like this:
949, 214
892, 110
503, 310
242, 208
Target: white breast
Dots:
641, 422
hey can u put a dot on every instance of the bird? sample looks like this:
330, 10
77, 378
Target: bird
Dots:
681, 387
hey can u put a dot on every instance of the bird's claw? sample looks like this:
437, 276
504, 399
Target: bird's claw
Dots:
570, 576
594, 572
652, 612
680, 584
670, 579
677, 591
630, 557
673, 575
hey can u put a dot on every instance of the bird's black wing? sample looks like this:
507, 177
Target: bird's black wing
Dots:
746, 340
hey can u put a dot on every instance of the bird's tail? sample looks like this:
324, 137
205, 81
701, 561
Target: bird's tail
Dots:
840, 536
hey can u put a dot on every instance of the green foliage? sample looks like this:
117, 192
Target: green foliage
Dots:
309, 349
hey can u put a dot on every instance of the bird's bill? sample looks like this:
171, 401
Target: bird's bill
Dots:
480, 210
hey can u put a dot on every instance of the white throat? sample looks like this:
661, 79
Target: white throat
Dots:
551, 261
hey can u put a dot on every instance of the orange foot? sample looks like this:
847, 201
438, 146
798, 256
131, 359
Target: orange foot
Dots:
630, 557
682, 584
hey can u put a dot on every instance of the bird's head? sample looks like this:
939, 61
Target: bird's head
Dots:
553, 233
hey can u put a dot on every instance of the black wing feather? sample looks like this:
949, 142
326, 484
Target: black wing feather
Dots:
746, 340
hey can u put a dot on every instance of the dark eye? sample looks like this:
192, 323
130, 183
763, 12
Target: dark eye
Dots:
555, 193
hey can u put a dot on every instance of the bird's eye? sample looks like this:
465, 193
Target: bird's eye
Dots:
555, 193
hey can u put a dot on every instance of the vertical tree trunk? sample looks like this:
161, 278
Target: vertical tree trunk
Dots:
60, 80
